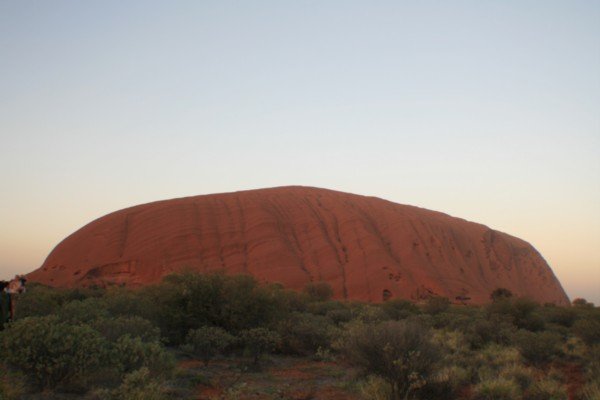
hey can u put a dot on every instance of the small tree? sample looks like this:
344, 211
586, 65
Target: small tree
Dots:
53, 352
207, 342
538, 347
137, 385
401, 352
588, 330
304, 333
114, 328
258, 341
582, 303
131, 354
496, 389
319, 291
399, 309
500, 294
437, 304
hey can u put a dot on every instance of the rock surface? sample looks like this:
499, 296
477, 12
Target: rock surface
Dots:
365, 247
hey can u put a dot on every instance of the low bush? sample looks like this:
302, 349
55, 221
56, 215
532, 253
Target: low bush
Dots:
114, 328
538, 347
54, 353
521, 375
304, 333
259, 341
39, 301
124, 302
590, 391
190, 301
339, 315
496, 329
12, 385
588, 330
375, 388
137, 385
83, 311
319, 291
399, 309
436, 305
400, 352
131, 354
546, 389
446, 384
583, 304
563, 316
496, 389
491, 360
500, 294
522, 312
369, 314
207, 342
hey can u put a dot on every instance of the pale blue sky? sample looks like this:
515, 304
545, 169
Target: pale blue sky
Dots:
488, 111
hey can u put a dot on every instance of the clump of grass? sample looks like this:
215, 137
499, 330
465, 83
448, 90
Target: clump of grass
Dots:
375, 388
497, 389
590, 391
522, 375
546, 389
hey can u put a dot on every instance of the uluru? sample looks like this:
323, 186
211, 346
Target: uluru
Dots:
366, 248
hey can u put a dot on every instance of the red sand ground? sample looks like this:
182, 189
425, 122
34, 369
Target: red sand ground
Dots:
283, 377
362, 246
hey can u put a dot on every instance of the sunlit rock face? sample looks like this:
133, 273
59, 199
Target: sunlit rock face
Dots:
365, 247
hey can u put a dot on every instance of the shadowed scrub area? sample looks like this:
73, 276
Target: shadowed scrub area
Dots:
216, 336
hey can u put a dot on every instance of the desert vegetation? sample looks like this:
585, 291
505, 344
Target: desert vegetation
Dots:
227, 337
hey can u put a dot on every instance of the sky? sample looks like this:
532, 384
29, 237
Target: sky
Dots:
488, 111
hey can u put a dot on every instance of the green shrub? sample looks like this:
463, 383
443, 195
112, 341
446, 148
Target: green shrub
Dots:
500, 294
369, 314
399, 309
207, 342
375, 388
113, 328
453, 343
546, 389
12, 385
121, 301
258, 341
190, 301
319, 291
339, 315
590, 391
446, 384
496, 329
522, 312
496, 389
324, 307
82, 311
521, 375
491, 360
52, 352
582, 303
436, 305
588, 330
138, 385
304, 333
400, 352
39, 301
563, 316
592, 361
538, 347
131, 354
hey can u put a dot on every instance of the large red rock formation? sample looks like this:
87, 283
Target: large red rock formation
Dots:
365, 247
